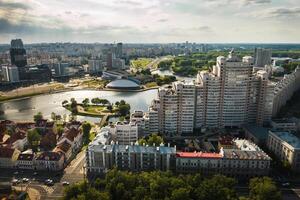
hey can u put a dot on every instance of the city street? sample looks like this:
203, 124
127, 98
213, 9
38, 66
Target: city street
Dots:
73, 173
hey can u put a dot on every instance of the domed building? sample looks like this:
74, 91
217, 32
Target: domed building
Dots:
123, 84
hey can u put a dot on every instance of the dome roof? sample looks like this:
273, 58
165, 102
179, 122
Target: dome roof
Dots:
123, 83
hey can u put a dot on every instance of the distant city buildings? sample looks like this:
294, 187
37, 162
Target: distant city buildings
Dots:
95, 66
18, 56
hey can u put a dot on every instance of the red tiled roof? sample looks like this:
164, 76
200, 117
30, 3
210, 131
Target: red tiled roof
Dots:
65, 146
48, 155
72, 133
197, 155
19, 135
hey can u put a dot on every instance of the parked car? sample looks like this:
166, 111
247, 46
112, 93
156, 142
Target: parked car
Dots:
25, 180
15, 181
65, 183
286, 184
49, 182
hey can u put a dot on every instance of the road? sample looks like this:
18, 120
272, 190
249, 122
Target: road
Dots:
73, 173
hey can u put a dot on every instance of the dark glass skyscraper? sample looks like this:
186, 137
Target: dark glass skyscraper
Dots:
18, 53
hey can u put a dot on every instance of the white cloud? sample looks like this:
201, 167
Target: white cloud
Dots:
166, 20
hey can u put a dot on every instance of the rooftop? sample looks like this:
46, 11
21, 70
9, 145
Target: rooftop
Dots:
198, 155
123, 83
288, 138
260, 133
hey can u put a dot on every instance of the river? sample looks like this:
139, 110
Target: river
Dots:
24, 109
170, 73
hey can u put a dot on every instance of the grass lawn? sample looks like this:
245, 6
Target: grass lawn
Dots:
92, 110
95, 109
141, 63
151, 84
94, 83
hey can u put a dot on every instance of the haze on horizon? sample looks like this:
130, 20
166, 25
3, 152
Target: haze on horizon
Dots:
150, 21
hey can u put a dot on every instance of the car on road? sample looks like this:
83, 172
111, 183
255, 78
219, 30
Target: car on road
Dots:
35, 173
65, 183
25, 180
49, 182
16, 173
286, 184
15, 181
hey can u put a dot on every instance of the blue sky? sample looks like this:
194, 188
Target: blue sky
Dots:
150, 20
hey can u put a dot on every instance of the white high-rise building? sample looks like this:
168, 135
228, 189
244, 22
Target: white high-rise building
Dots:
125, 133
232, 95
177, 108
10, 74
262, 57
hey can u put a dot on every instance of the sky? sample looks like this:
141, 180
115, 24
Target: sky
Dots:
150, 21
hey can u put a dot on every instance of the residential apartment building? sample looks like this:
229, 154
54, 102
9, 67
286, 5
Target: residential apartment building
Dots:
100, 158
286, 147
284, 89
177, 108
125, 133
232, 95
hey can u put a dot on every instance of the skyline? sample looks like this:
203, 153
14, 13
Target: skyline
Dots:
153, 21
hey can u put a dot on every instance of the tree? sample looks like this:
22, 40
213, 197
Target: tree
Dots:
85, 102
65, 102
124, 108
53, 116
86, 128
181, 193
34, 138
37, 117
151, 140
219, 187
83, 191
74, 106
96, 100
263, 189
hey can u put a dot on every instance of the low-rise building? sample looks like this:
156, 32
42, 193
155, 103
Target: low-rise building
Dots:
244, 160
73, 136
286, 147
100, 158
256, 134
26, 160
50, 161
64, 148
8, 157
283, 125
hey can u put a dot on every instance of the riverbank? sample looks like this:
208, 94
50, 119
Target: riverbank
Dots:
4, 99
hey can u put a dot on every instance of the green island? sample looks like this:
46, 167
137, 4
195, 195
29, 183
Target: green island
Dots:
97, 107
